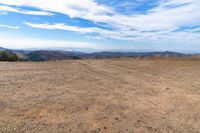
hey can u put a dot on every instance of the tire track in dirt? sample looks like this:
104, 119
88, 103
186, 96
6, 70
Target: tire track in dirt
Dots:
92, 70
117, 75
104, 72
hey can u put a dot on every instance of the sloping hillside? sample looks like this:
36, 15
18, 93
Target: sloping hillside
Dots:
46, 55
133, 54
50, 55
2, 49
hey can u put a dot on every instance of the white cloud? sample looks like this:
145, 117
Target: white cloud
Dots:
194, 30
163, 19
158, 18
24, 42
61, 26
73, 8
9, 26
136, 36
17, 10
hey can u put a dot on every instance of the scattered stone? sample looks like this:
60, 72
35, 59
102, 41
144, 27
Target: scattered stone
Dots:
116, 118
86, 107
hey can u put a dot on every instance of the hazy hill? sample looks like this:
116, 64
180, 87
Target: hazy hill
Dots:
133, 54
45, 55
2, 49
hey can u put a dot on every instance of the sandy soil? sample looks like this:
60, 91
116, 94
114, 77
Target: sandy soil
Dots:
111, 96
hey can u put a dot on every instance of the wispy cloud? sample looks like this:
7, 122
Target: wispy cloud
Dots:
157, 24
3, 13
9, 26
62, 26
25, 42
194, 30
134, 35
158, 18
87, 9
18, 10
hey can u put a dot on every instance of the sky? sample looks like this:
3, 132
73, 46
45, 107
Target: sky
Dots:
119, 25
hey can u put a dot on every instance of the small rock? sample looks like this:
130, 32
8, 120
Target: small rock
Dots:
116, 118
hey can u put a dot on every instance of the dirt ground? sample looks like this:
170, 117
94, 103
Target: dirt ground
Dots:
106, 96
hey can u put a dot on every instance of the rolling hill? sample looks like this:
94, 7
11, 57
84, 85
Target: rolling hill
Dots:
46, 55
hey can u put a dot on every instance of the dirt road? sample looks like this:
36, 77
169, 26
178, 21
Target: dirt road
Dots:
108, 96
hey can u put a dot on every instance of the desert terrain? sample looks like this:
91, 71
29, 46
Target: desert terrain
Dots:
100, 96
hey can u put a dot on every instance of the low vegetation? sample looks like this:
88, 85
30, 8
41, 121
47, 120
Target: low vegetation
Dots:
8, 56
47, 55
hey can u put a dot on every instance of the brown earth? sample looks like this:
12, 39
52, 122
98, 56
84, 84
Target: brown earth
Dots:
111, 96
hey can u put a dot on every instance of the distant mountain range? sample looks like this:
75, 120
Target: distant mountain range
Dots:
1, 49
46, 55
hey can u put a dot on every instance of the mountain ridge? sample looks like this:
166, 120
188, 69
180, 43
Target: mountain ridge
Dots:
47, 55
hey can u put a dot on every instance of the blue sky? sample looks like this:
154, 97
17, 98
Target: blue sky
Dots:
121, 25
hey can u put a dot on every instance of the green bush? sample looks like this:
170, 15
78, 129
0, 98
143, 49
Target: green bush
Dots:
8, 56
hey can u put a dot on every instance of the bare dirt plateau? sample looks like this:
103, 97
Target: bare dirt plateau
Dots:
111, 96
